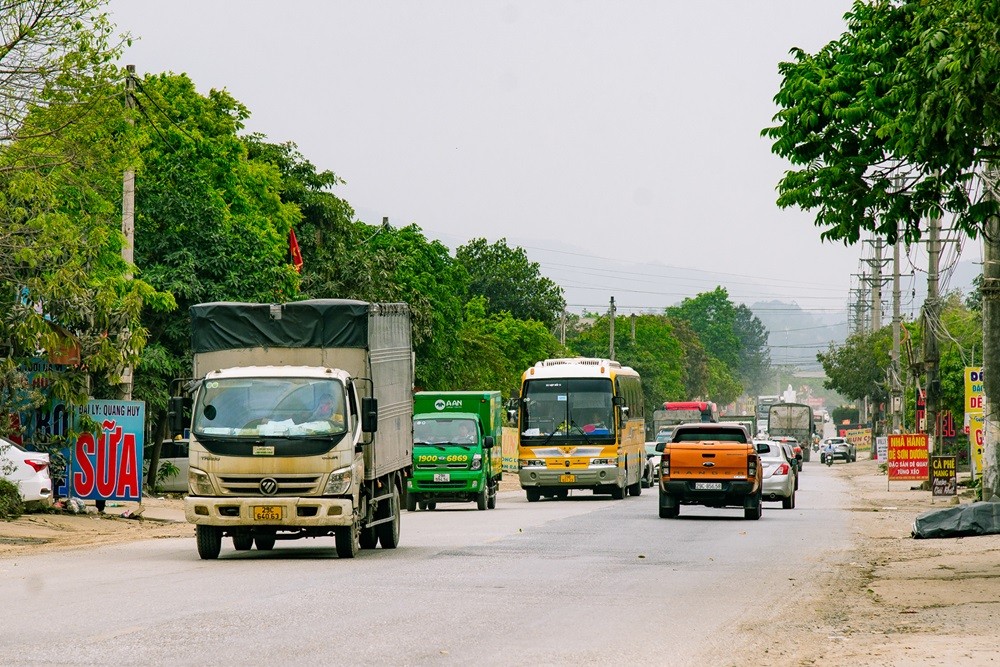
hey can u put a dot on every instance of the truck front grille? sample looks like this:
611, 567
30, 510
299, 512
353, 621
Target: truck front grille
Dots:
288, 485
442, 466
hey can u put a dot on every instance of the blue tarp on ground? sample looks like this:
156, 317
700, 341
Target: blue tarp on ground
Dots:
981, 518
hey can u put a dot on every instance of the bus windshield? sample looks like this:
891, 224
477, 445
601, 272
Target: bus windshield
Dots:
568, 409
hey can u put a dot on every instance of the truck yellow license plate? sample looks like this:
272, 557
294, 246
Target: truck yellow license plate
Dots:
567, 478
268, 512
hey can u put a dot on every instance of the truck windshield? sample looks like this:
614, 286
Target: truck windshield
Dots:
444, 432
274, 407
568, 409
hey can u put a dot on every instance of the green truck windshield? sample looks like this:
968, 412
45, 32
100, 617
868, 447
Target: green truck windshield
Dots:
270, 407
444, 432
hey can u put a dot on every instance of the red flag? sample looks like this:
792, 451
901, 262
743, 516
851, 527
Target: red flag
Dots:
293, 246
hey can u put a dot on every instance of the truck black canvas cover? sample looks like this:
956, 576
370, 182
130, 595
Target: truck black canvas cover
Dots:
320, 323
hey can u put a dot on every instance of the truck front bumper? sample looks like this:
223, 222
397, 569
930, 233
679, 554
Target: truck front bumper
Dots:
460, 483
295, 512
571, 478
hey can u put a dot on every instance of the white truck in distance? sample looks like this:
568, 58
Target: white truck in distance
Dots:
301, 423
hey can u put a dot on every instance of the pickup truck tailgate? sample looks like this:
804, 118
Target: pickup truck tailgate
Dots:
708, 460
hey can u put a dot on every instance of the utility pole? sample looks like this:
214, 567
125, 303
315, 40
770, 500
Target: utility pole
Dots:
991, 343
877, 287
611, 342
896, 400
128, 214
633, 328
562, 328
932, 308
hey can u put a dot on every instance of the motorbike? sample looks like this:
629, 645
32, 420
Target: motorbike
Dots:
828, 458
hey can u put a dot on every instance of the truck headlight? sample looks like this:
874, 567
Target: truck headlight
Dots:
200, 483
477, 462
339, 482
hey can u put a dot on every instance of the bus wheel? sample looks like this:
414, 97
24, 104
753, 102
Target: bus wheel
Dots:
617, 492
635, 489
534, 495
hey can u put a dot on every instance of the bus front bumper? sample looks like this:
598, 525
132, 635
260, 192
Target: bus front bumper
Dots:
571, 478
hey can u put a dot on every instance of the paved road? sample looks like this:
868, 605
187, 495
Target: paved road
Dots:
582, 581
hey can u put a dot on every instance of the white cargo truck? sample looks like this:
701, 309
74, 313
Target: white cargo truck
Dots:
300, 423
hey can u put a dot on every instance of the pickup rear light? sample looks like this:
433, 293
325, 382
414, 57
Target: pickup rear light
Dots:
751, 465
37, 464
665, 465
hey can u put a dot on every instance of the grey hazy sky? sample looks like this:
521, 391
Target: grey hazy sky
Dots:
619, 130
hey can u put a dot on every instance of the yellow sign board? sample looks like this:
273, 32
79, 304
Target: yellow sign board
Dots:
974, 390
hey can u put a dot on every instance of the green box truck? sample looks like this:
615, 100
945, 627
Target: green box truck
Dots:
456, 448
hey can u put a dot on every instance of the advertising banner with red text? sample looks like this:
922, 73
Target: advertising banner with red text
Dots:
908, 456
107, 464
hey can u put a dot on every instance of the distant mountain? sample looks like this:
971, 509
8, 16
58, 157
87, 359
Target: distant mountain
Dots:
795, 335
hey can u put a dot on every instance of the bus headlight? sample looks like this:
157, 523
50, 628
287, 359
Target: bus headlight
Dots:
603, 462
200, 483
477, 462
339, 482
532, 463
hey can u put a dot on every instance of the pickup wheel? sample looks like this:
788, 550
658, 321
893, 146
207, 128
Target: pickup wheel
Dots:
348, 540
534, 495
209, 541
388, 533
242, 540
754, 513
670, 512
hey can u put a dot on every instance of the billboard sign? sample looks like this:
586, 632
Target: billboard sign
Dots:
908, 456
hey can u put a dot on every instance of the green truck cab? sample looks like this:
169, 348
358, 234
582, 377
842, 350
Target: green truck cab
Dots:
456, 448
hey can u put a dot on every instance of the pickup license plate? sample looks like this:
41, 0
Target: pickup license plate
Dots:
442, 477
708, 486
268, 512
567, 478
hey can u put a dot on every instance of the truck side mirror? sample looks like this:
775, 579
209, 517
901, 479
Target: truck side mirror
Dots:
177, 413
488, 442
369, 414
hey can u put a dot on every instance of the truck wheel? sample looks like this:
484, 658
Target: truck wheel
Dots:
388, 533
242, 540
431, 505
534, 495
348, 540
209, 541
264, 542
367, 538
491, 500
411, 502
481, 499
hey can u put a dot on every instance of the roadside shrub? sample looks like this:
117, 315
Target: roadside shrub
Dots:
11, 506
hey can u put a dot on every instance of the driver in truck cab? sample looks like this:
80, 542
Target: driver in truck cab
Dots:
327, 409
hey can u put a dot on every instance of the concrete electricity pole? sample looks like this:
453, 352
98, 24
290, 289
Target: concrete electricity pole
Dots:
991, 344
895, 380
612, 337
932, 312
128, 215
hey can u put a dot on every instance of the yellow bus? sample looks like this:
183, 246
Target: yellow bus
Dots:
580, 426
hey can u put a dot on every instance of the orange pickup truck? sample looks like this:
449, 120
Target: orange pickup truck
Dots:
715, 465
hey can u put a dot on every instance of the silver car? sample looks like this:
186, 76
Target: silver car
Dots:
843, 449
779, 473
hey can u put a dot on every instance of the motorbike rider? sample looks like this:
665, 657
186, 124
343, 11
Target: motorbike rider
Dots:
828, 452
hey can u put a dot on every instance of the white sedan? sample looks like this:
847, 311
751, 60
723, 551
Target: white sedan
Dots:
28, 470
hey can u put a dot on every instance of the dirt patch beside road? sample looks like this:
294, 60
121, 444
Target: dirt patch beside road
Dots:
901, 601
38, 532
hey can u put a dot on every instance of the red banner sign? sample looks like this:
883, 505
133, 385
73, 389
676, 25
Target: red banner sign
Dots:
908, 456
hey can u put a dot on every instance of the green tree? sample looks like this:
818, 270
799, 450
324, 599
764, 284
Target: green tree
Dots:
713, 317
754, 367
510, 282
898, 121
